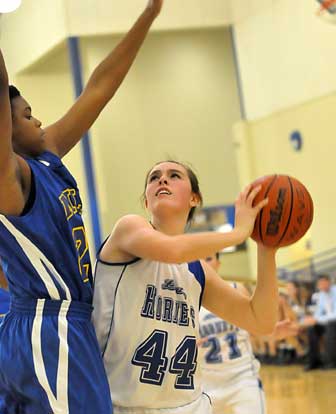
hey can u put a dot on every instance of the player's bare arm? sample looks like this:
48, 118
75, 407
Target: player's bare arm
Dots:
133, 236
257, 314
12, 167
102, 85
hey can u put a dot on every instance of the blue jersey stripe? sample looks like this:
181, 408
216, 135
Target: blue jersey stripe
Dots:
197, 270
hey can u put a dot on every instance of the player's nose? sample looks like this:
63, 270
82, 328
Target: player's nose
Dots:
38, 123
163, 180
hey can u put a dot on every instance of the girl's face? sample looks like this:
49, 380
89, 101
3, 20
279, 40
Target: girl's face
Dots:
168, 189
27, 135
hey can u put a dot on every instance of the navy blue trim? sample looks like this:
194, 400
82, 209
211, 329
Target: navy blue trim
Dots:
136, 259
197, 270
261, 397
207, 395
238, 73
101, 247
75, 60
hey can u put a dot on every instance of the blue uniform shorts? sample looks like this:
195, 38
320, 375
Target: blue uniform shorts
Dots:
50, 361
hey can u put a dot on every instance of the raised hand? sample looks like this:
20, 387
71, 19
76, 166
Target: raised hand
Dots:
155, 6
246, 213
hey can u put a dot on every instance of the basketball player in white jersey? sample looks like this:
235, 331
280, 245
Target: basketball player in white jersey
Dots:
230, 372
149, 285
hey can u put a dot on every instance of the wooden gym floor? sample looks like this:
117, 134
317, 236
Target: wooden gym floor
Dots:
289, 390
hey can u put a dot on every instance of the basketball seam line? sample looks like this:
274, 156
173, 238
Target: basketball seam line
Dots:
290, 213
261, 213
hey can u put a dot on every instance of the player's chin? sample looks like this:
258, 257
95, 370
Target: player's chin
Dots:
38, 149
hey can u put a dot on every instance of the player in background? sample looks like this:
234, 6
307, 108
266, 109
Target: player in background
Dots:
49, 355
230, 371
149, 285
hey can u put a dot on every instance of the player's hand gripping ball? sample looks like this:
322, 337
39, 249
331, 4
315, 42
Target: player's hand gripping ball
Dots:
288, 214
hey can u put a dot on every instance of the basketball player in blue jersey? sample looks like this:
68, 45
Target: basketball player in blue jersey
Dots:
49, 355
230, 372
149, 285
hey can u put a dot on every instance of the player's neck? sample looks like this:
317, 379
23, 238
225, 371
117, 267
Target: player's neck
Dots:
171, 227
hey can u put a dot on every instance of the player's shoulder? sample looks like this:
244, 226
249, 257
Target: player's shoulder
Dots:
130, 221
125, 226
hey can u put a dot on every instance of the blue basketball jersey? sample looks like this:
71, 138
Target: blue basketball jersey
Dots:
45, 252
49, 355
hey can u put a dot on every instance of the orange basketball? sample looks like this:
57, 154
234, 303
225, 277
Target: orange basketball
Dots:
288, 214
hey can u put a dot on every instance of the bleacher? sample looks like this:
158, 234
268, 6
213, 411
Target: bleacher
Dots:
307, 270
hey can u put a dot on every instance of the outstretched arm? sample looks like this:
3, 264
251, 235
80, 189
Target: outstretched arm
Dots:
63, 135
133, 236
6, 151
10, 164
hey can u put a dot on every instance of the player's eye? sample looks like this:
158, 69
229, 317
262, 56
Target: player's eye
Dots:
153, 177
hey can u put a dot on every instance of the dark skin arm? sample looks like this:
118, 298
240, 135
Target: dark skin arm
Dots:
11, 165
64, 134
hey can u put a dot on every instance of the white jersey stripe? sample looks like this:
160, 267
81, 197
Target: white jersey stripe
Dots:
59, 405
37, 353
63, 359
36, 257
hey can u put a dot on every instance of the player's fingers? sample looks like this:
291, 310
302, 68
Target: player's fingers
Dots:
261, 204
244, 194
241, 197
252, 194
285, 322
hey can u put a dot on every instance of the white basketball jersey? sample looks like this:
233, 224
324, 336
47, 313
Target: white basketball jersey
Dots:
146, 319
227, 349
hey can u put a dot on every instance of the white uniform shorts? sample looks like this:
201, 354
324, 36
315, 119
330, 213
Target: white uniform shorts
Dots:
243, 396
201, 406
